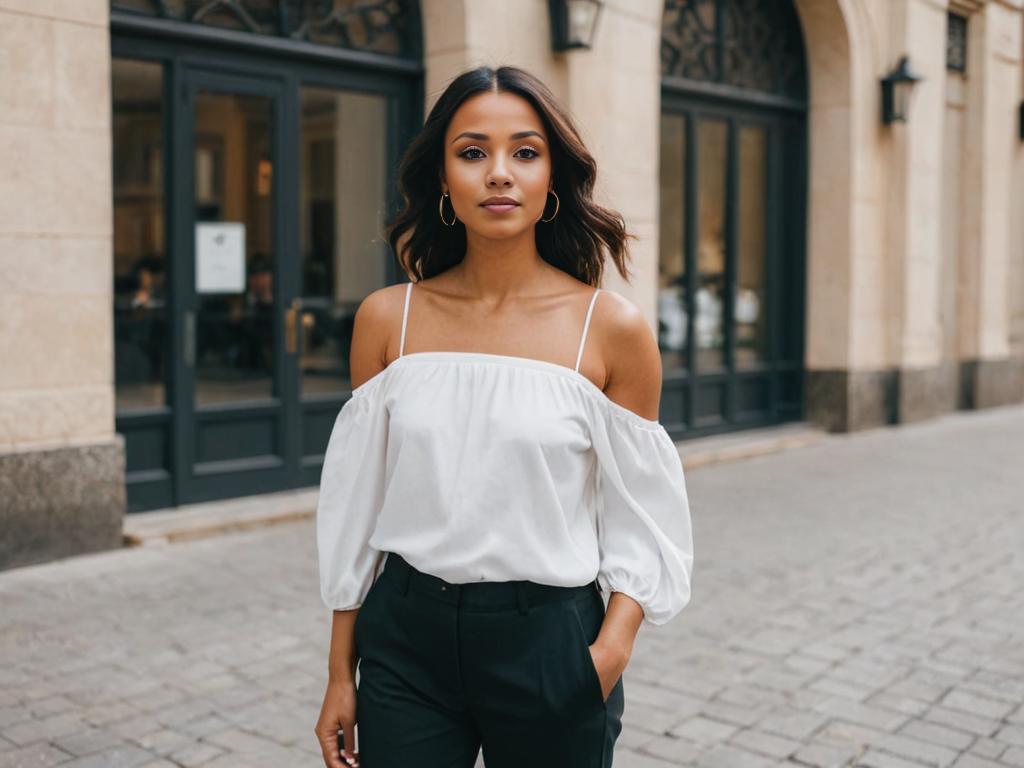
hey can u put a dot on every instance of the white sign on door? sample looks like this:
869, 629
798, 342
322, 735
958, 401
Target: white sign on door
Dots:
220, 257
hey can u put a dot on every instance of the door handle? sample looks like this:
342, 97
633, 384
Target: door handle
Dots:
291, 327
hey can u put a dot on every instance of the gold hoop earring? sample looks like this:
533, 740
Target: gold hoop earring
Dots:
440, 210
558, 203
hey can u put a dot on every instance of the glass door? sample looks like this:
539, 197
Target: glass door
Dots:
235, 319
731, 266
343, 155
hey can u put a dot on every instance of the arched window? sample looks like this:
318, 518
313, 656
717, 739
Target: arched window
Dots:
752, 45
377, 26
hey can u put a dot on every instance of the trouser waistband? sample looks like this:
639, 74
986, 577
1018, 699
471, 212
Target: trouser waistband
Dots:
494, 595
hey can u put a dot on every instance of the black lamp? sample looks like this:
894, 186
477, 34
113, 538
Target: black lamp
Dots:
573, 23
896, 88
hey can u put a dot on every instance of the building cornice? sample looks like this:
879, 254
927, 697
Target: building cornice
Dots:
967, 7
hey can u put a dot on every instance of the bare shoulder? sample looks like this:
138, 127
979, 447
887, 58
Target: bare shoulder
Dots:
377, 320
630, 354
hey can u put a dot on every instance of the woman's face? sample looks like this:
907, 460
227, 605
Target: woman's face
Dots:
496, 145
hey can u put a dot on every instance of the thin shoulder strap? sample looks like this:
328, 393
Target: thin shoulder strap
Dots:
586, 326
405, 318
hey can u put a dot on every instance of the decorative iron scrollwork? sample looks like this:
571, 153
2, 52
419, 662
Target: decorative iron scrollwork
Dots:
756, 45
956, 42
379, 26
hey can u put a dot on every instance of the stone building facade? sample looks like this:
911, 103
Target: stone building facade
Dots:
192, 197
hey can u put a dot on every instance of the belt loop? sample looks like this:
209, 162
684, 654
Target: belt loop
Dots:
524, 604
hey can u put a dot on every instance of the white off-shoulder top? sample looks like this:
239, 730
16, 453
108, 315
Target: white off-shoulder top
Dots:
477, 466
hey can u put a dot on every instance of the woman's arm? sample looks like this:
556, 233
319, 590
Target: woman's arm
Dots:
342, 659
632, 362
371, 328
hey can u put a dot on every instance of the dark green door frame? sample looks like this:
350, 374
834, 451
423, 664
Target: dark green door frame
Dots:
200, 59
703, 402
262, 422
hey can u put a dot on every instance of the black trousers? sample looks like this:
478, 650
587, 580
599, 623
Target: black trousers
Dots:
447, 669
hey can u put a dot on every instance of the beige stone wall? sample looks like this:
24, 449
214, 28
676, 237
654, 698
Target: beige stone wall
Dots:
994, 60
914, 164
56, 353
954, 198
1016, 279
911, 250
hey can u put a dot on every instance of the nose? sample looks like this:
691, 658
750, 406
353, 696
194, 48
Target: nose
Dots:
499, 174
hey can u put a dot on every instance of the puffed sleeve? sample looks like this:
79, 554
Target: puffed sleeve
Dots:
351, 492
643, 513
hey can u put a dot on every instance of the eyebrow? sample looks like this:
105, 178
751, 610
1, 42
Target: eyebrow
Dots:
485, 137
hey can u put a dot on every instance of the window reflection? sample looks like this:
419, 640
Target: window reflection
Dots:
234, 264
140, 284
672, 315
750, 325
342, 204
711, 175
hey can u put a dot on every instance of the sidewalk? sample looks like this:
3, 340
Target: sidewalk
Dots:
858, 604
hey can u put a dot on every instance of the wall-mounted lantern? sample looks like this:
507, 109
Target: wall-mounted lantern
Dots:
896, 89
573, 23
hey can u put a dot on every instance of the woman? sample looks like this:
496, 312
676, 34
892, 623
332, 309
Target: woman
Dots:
480, 491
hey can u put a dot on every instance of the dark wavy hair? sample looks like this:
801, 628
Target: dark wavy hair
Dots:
576, 241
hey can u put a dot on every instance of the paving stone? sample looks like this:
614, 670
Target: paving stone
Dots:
974, 761
729, 713
675, 750
1014, 756
203, 726
38, 755
795, 724
87, 742
703, 730
989, 748
12, 715
977, 705
766, 744
655, 721
54, 705
1011, 734
845, 733
195, 755
44, 728
821, 755
725, 756
963, 721
124, 756
915, 749
877, 718
874, 758
901, 704
933, 733
165, 742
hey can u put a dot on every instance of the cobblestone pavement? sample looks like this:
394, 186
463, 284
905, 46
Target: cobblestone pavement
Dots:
856, 603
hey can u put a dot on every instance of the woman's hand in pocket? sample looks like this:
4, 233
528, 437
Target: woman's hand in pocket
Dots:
610, 662
338, 711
